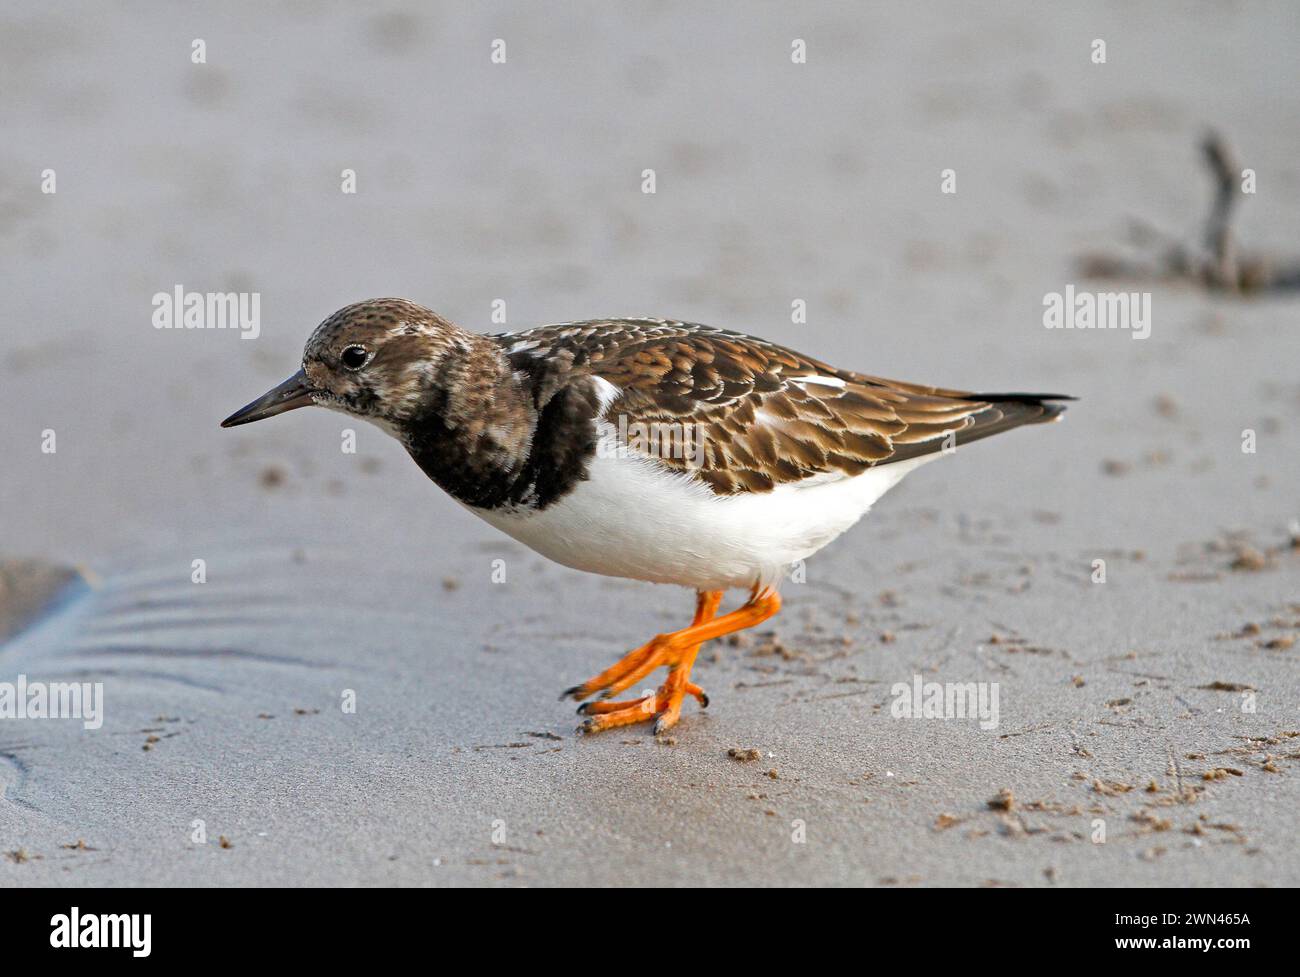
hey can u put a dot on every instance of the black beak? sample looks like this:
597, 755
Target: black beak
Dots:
293, 393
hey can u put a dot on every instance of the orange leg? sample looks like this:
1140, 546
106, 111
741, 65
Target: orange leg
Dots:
677, 652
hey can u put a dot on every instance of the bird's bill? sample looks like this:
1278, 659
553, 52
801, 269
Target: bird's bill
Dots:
293, 393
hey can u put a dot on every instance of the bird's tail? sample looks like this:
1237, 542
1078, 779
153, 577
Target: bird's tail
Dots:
1027, 408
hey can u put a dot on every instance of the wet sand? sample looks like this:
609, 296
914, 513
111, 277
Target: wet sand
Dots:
1160, 703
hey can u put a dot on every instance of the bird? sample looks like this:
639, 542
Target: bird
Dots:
649, 449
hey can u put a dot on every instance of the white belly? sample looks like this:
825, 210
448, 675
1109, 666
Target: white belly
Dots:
632, 519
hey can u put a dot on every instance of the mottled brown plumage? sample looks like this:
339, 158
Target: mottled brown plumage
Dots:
763, 415
514, 419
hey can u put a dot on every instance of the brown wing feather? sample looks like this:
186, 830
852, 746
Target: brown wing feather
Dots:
742, 415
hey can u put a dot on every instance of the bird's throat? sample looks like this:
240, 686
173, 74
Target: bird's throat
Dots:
502, 433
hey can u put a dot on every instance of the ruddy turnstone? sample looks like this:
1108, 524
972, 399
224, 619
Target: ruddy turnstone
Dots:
643, 448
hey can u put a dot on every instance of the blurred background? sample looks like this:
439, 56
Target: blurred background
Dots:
522, 181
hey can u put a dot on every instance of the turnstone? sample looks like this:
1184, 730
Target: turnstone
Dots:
643, 448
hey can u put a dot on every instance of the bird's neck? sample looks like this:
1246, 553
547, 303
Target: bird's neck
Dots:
473, 432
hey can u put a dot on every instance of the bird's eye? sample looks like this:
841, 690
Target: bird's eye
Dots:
355, 357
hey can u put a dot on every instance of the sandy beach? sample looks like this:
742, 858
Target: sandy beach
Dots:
317, 669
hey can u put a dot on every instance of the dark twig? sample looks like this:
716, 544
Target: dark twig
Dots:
1218, 228
1216, 261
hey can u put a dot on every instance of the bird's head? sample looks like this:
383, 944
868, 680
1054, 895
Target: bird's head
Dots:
379, 360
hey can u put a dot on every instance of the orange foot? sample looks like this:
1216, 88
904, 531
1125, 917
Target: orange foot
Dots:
677, 652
